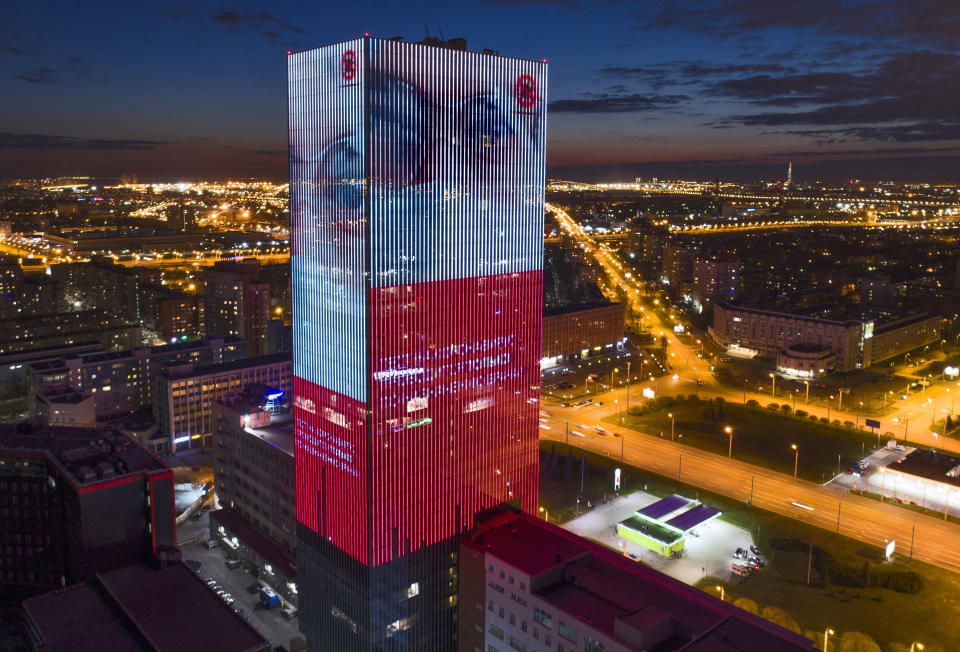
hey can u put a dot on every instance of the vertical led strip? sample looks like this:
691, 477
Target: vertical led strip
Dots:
417, 180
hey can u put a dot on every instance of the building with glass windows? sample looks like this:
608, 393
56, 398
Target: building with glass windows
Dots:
416, 200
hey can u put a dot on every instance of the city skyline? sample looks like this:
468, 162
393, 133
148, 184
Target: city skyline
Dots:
729, 89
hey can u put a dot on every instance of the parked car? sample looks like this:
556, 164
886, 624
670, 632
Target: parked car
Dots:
740, 553
755, 550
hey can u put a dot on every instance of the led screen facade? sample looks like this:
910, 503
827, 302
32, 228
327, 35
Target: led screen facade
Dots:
416, 198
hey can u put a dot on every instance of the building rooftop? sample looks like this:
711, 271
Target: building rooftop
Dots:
139, 607
192, 371
930, 465
78, 618
615, 595
175, 610
85, 456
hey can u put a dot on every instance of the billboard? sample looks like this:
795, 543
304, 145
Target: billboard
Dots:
417, 181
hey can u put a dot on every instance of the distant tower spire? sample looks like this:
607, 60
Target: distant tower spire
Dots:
789, 174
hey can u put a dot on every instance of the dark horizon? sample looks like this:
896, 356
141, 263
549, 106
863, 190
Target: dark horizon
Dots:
718, 88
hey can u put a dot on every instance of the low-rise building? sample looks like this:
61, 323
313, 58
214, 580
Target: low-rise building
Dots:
183, 395
582, 331
163, 607
528, 585
120, 381
855, 343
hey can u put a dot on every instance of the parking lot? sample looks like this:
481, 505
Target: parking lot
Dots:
271, 623
709, 551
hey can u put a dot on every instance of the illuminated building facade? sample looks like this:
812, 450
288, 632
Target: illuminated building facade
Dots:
416, 200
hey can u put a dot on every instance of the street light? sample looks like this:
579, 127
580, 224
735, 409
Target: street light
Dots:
729, 432
670, 414
828, 407
546, 514
796, 458
916, 646
722, 595
827, 633
773, 385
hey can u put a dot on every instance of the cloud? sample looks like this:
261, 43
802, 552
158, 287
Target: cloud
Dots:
932, 22
264, 22
10, 48
46, 141
41, 75
615, 103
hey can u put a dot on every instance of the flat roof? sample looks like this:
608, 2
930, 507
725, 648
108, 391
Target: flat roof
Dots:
652, 528
600, 587
528, 548
664, 506
930, 465
79, 618
175, 610
174, 372
693, 517
279, 434
85, 456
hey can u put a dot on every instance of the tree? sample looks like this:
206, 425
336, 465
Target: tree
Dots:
708, 412
747, 605
780, 617
857, 642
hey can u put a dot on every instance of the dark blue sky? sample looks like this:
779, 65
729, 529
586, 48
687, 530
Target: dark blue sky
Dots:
695, 88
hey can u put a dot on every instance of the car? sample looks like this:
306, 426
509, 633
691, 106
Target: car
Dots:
210, 581
740, 553
756, 562
564, 405
221, 592
755, 550
598, 402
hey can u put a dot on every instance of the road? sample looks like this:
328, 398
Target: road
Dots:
689, 368
922, 537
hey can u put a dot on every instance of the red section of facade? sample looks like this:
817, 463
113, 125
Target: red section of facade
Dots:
331, 469
453, 418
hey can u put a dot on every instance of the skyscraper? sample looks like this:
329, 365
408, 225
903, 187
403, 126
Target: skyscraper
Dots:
416, 197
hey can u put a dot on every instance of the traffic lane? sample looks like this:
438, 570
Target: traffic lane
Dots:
872, 522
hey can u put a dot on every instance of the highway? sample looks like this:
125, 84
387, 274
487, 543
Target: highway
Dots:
923, 537
689, 368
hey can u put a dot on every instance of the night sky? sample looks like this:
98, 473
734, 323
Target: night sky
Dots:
697, 88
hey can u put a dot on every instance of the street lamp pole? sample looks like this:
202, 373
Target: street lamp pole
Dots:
670, 414
796, 458
773, 385
729, 432
807, 383
826, 638
828, 408
628, 388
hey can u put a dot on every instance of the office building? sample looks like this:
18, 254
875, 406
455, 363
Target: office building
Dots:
163, 607
183, 395
806, 345
529, 585
120, 381
78, 501
582, 332
237, 302
417, 181
254, 476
